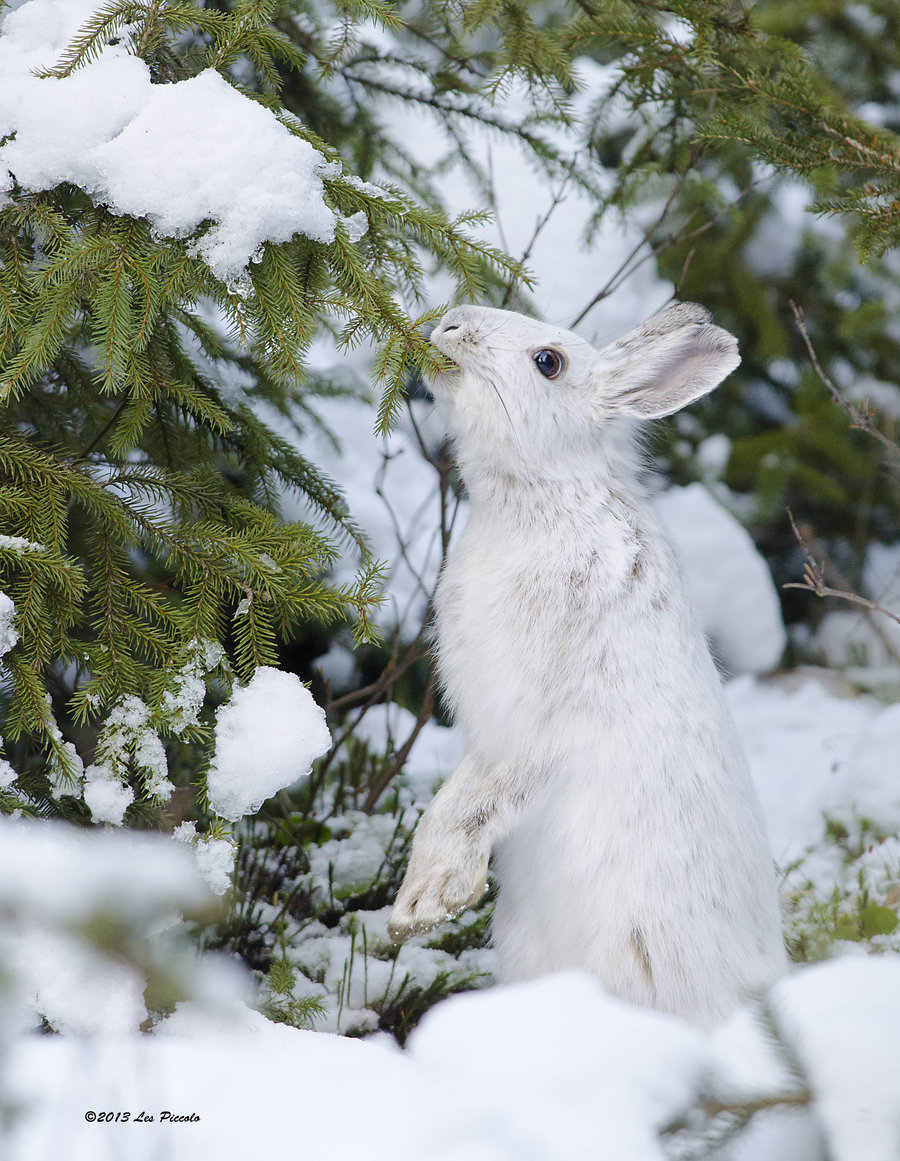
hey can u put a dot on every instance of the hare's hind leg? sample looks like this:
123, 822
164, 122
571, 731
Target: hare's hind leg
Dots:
452, 846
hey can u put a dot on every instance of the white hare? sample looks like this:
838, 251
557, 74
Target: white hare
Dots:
602, 766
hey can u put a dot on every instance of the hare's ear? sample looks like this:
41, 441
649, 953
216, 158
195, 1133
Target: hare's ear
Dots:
667, 363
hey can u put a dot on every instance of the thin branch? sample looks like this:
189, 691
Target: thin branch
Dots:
100, 436
558, 197
387, 774
628, 266
814, 579
859, 414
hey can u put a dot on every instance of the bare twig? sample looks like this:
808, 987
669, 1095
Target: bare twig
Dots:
403, 656
814, 579
859, 413
384, 778
394, 669
689, 258
556, 200
102, 433
632, 262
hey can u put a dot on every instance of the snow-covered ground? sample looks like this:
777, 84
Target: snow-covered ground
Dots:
545, 1070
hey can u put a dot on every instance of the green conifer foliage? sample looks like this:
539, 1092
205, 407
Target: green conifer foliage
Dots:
730, 104
140, 499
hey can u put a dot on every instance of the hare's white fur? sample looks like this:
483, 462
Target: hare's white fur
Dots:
602, 766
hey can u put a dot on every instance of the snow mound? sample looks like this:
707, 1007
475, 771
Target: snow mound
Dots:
549, 1069
560, 1063
267, 737
58, 873
728, 581
843, 1019
70, 900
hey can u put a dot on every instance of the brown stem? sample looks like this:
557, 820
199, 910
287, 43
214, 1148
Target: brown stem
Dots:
814, 580
859, 414
379, 784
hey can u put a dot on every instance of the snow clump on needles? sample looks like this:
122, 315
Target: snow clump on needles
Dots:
267, 737
178, 154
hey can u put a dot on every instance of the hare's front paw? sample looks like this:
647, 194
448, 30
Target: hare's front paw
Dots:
436, 889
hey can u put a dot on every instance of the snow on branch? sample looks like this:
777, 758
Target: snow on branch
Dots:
181, 155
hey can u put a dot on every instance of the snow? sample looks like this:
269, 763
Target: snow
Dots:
869, 785
842, 1020
849, 636
128, 732
61, 875
245, 170
713, 454
885, 397
435, 754
559, 1063
548, 1069
773, 248
59, 884
728, 581
215, 862
72, 987
19, 544
7, 774
510, 1093
392, 491
105, 796
337, 667
105, 127
214, 857
184, 700
8, 632
9, 635
812, 755
267, 737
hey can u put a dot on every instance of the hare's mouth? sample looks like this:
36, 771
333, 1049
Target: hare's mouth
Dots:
448, 366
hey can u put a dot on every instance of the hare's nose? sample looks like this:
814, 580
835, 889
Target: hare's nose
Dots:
443, 329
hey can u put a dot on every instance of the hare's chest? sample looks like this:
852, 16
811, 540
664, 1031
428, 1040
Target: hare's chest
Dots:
519, 618
554, 575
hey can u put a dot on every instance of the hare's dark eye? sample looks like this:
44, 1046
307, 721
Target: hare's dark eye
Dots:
549, 363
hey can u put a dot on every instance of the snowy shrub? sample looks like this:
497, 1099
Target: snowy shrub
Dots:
313, 890
92, 936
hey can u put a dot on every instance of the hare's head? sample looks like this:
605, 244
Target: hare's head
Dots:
530, 398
